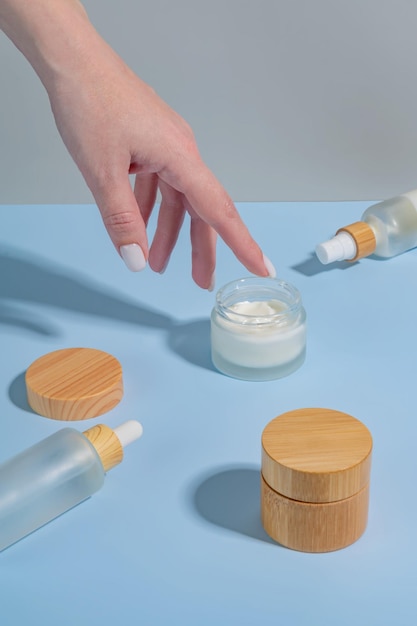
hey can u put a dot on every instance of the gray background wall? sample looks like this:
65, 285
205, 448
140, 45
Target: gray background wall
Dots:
289, 99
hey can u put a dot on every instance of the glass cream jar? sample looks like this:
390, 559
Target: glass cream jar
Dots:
258, 329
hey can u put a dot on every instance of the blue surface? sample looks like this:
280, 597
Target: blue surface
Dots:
174, 536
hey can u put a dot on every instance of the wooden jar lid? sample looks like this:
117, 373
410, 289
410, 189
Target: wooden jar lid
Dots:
316, 455
74, 384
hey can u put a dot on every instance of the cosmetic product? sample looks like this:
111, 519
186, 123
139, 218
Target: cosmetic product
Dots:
385, 229
258, 329
57, 473
74, 384
315, 479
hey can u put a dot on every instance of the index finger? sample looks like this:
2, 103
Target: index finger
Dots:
212, 204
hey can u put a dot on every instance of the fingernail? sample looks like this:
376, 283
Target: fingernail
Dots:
269, 266
212, 283
133, 256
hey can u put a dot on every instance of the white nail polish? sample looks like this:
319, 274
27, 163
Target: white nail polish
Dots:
133, 256
269, 266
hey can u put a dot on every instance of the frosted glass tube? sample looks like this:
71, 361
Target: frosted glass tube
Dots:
46, 480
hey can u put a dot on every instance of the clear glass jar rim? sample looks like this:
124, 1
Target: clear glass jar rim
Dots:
249, 286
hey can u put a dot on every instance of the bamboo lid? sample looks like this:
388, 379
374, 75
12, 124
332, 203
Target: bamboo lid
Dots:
364, 238
74, 384
107, 444
316, 455
110, 443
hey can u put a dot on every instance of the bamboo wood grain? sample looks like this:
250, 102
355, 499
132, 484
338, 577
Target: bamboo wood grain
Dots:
364, 238
316, 455
74, 384
312, 527
107, 444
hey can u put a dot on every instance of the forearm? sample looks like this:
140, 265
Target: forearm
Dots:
54, 35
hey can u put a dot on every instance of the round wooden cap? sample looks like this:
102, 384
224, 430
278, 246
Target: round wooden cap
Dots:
316, 455
364, 238
107, 445
74, 384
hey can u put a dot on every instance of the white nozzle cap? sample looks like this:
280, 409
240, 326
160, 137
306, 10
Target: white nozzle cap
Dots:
128, 432
340, 248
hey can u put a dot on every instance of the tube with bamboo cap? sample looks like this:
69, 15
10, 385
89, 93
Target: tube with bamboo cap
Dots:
386, 229
56, 474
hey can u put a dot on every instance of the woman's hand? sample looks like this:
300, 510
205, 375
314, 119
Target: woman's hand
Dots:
113, 125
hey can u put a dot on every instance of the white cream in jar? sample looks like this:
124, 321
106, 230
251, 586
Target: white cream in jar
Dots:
258, 329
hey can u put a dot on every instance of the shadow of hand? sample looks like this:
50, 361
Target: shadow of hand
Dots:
24, 282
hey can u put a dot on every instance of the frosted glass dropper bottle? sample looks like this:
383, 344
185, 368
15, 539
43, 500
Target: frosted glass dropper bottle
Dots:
57, 473
386, 229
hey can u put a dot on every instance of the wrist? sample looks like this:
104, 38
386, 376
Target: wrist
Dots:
53, 36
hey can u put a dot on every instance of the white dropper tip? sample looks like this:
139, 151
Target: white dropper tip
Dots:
128, 432
342, 247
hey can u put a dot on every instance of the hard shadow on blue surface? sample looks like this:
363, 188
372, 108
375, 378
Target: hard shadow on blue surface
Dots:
27, 281
191, 341
230, 498
24, 320
18, 395
312, 266
35, 282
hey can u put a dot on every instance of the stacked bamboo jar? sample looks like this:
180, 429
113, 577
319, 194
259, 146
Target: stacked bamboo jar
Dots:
315, 479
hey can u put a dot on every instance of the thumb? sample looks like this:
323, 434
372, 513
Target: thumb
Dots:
124, 223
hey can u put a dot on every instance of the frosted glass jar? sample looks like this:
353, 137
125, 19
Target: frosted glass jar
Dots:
258, 329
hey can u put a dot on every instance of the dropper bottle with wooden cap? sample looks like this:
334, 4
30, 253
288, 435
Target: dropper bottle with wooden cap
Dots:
386, 229
56, 474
